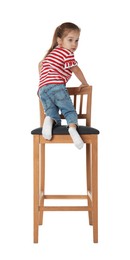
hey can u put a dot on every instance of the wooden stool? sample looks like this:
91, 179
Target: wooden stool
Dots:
60, 135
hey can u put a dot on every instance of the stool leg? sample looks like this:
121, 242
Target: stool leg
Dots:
42, 169
36, 185
88, 177
95, 190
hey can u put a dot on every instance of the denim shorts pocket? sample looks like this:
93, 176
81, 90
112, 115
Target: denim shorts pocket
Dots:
61, 94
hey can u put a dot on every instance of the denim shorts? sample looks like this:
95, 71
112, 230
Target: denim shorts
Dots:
56, 98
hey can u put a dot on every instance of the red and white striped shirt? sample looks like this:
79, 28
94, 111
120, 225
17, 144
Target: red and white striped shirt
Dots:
56, 67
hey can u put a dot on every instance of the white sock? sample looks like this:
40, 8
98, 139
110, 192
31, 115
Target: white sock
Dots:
47, 128
76, 137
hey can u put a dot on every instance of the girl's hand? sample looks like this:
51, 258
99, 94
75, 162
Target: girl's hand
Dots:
82, 86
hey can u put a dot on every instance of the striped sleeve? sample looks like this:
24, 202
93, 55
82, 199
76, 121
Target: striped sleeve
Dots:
70, 61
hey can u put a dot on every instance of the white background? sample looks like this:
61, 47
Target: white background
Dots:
104, 56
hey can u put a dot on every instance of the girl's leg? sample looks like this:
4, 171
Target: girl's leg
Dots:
51, 111
65, 104
52, 116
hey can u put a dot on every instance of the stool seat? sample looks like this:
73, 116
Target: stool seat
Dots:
63, 130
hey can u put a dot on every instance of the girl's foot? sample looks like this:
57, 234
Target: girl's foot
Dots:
76, 137
47, 128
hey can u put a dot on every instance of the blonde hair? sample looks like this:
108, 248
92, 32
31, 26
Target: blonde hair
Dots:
61, 31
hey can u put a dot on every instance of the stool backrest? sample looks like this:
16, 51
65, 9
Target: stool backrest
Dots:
81, 98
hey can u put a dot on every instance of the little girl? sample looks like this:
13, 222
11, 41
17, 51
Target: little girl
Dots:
55, 70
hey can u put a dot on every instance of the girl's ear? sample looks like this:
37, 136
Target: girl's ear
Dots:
59, 41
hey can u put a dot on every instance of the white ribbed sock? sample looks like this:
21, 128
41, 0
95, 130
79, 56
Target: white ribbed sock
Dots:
47, 128
76, 137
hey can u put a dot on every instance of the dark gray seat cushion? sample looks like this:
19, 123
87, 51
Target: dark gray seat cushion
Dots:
62, 130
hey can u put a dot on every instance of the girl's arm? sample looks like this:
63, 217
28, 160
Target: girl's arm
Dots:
79, 74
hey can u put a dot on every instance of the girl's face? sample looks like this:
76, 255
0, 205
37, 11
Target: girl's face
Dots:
70, 41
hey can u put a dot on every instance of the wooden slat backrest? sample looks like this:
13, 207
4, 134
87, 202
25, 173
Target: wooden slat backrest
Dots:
77, 95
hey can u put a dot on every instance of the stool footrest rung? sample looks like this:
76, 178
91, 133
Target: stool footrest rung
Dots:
65, 197
65, 208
